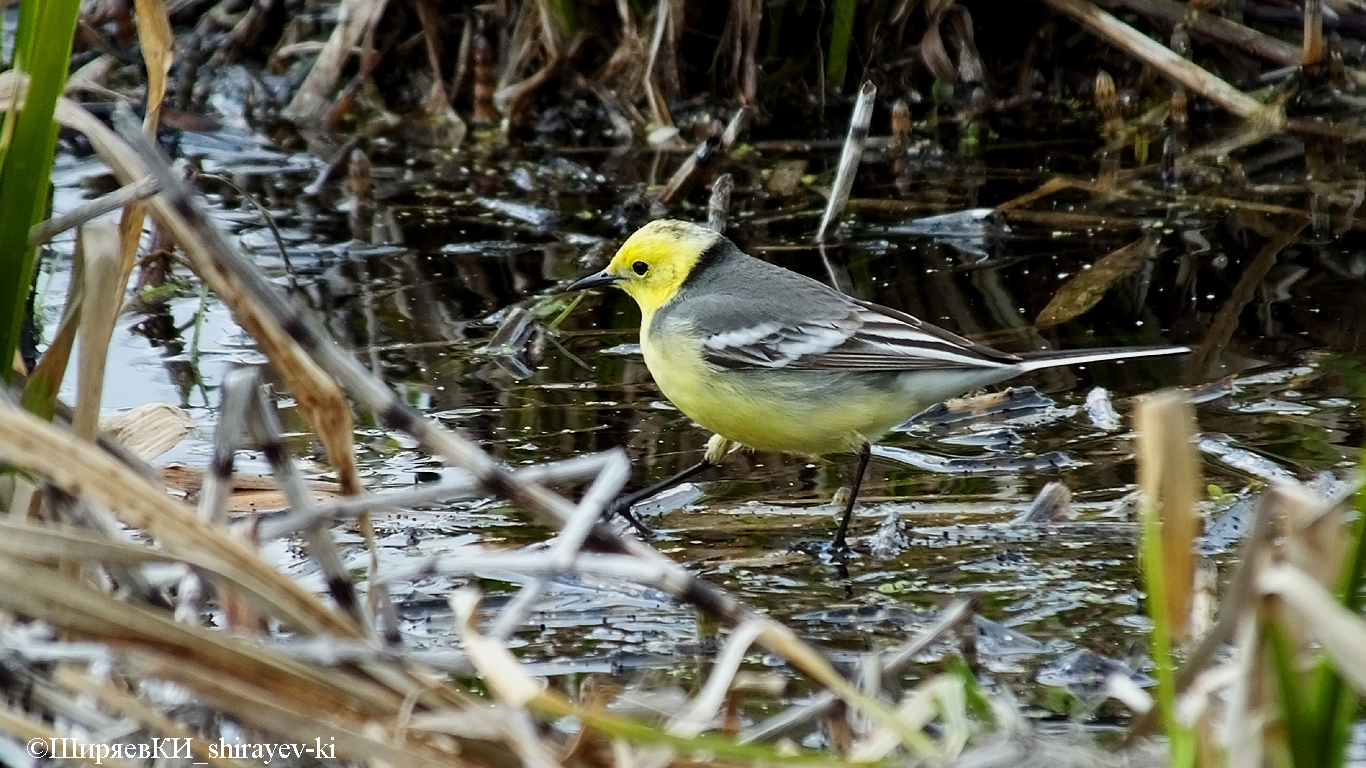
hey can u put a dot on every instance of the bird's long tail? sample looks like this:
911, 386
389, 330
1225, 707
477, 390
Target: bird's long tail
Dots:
1033, 362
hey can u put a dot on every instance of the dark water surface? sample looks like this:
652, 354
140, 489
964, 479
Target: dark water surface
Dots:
460, 242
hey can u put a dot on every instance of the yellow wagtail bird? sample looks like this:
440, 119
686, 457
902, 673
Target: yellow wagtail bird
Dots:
773, 360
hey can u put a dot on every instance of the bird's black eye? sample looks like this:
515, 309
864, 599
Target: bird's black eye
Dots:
640, 267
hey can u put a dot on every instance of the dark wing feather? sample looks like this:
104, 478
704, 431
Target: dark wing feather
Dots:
852, 335
798, 323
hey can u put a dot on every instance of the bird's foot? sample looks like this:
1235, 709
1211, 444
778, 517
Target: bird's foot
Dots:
827, 551
838, 552
622, 508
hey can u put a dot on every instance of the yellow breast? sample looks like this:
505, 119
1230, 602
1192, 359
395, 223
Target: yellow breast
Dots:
805, 412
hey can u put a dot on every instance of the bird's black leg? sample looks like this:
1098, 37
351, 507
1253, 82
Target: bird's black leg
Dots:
865, 453
622, 504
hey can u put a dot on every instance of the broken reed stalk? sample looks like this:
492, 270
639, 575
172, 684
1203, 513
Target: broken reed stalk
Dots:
704, 158
356, 19
719, 204
232, 418
75, 465
694, 166
849, 158
1313, 34
1168, 468
616, 470
1242, 592
1105, 25
100, 303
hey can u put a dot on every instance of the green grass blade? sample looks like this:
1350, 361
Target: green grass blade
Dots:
1181, 739
1165, 424
566, 15
837, 62
43, 52
1300, 723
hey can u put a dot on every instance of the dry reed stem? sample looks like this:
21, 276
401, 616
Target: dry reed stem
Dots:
719, 204
361, 739
659, 110
44, 543
70, 604
690, 171
917, 709
501, 672
1315, 534
47, 229
1218, 29
849, 158
570, 470
102, 297
263, 425
1247, 712
1313, 34
157, 44
1169, 477
357, 19
704, 707
140, 711
217, 484
318, 398
565, 547
1237, 612
949, 618
1163, 59
83, 470
1341, 633
18, 724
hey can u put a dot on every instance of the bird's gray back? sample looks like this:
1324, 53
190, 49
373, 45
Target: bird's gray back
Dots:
737, 291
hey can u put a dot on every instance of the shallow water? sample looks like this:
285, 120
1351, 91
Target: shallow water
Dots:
463, 241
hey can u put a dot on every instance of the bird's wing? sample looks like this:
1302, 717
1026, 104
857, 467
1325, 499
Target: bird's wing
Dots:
830, 335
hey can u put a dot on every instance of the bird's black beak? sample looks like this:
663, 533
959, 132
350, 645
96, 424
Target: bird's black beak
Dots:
595, 280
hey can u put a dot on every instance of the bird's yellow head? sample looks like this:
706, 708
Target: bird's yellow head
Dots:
653, 263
